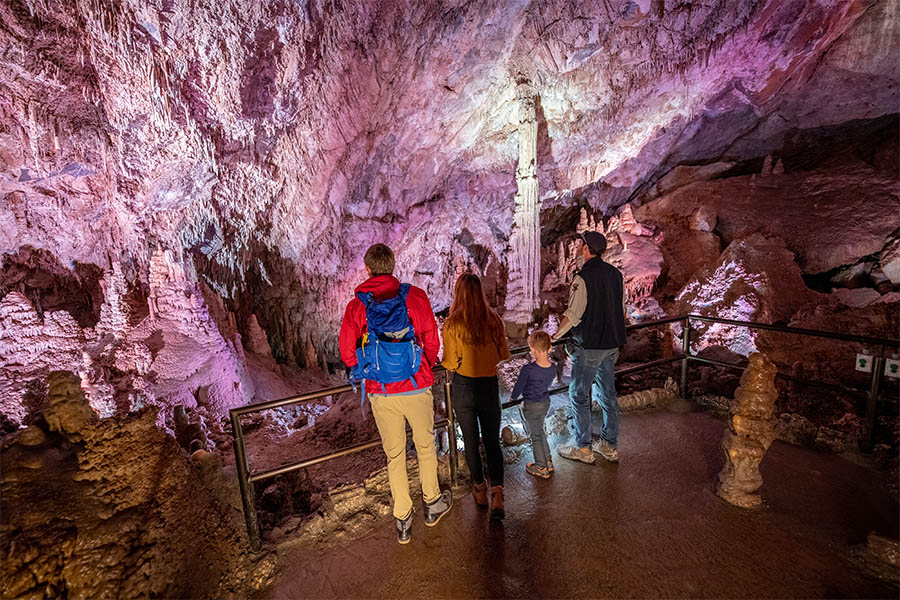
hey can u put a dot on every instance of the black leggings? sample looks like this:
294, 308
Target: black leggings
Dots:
476, 400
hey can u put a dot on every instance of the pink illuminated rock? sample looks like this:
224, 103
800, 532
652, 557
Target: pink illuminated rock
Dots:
253, 140
29, 348
265, 147
755, 279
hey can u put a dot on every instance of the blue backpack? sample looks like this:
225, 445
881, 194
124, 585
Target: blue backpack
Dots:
389, 352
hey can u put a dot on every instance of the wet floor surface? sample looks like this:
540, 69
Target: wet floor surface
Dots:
648, 527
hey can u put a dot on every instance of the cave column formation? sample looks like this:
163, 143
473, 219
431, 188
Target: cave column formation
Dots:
525, 242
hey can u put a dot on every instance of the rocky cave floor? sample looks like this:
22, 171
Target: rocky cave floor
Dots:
650, 526
94, 471
808, 415
317, 522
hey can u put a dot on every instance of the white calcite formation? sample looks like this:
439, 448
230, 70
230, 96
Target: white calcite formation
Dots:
30, 347
525, 243
178, 354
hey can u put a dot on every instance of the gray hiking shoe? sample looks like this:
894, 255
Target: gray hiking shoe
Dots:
574, 453
404, 528
437, 509
603, 448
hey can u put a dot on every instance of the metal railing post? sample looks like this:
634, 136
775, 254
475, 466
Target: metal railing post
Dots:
243, 473
868, 441
451, 432
686, 351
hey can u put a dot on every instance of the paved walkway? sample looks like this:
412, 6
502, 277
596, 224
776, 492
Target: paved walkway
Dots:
648, 527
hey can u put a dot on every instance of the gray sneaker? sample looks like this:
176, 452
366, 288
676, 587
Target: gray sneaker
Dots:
574, 453
404, 528
602, 448
438, 508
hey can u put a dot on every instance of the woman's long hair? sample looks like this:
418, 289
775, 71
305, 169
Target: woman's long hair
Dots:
477, 322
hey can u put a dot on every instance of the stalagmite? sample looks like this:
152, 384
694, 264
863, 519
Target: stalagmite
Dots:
752, 430
525, 242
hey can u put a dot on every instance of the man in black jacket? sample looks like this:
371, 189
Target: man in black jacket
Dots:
596, 315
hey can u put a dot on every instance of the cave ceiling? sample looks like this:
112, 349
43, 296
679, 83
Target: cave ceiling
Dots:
240, 131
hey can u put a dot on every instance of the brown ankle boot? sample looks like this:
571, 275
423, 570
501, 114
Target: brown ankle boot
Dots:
497, 511
479, 490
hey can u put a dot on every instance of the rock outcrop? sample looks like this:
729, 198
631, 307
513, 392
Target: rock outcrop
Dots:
97, 508
814, 217
756, 279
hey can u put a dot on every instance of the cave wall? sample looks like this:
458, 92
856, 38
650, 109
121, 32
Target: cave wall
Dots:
304, 132
262, 147
187, 189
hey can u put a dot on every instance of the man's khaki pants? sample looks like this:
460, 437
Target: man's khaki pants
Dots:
391, 413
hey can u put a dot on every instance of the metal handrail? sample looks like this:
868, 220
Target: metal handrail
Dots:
246, 478
310, 396
780, 375
833, 335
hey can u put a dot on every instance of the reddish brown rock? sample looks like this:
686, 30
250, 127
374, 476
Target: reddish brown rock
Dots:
830, 360
686, 252
828, 218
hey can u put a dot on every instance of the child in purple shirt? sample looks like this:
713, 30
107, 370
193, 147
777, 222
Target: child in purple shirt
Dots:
533, 385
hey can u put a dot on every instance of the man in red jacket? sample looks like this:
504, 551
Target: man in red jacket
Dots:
401, 401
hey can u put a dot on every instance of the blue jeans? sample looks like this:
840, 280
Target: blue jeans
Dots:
592, 373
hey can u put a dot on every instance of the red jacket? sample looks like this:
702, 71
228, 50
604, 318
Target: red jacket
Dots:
354, 325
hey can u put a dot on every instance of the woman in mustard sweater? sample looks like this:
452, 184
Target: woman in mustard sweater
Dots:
474, 342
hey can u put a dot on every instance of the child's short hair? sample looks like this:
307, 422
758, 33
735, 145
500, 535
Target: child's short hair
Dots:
539, 340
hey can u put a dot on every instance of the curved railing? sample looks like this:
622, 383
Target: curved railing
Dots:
246, 477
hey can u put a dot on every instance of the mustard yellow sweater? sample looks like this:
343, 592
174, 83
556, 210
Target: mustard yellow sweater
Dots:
469, 360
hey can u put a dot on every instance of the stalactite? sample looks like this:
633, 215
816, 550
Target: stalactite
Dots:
525, 243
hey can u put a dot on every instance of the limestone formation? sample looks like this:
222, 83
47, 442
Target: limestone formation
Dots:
522, 296
751, 432
652, 398
756, 279
588, 222
815, 217
99, 508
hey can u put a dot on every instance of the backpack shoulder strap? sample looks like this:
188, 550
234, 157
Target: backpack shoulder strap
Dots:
403, 291
365, 297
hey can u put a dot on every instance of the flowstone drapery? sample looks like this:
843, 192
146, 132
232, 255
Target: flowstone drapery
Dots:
525, 243
752, 430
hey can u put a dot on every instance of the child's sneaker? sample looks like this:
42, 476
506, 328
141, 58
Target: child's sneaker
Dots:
537, 470
550, 465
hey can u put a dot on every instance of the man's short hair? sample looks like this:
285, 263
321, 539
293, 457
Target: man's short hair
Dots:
380, 259
539, 340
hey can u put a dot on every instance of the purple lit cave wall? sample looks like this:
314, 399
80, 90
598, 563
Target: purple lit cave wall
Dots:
187, 190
